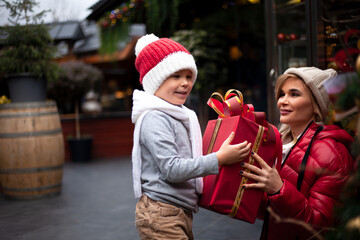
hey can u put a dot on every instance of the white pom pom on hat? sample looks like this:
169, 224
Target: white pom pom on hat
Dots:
158, 58
144, 41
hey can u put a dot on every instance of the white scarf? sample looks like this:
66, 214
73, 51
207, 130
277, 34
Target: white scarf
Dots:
143, 103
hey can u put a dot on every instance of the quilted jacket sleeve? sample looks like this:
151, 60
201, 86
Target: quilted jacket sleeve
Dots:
325, 175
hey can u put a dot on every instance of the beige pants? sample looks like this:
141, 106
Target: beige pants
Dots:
157, 220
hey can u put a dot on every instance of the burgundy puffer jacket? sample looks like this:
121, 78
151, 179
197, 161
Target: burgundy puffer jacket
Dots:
328, 166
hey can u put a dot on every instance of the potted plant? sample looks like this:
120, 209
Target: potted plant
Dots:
75, 80
26, 53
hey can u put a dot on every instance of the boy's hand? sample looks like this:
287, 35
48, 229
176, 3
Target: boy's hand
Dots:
229, 154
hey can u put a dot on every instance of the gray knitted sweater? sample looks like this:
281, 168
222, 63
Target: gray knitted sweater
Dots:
168, 169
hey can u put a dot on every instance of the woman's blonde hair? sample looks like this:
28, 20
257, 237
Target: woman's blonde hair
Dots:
284, 128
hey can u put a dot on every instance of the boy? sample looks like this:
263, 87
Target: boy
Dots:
167, 152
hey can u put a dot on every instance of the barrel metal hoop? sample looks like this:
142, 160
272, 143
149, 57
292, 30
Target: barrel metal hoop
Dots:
28, 114
30, 134
31, 170
40, 104
31, 189
32, 197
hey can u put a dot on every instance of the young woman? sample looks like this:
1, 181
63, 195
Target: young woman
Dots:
315, 163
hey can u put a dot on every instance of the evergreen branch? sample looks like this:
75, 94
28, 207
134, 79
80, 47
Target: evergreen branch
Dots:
308, 227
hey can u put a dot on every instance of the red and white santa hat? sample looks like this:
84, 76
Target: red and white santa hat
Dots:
158, 58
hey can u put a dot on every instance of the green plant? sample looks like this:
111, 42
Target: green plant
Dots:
75, 80
161, 17
26, 48
346, 103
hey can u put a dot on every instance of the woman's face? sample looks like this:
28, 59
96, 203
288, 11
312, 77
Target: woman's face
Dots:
295, 105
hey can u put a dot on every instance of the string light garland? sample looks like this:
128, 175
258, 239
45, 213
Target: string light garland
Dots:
160, 17
122, 13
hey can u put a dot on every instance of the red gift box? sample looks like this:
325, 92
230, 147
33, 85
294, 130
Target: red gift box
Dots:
223, 193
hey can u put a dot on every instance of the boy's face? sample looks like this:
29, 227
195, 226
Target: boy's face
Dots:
176, 88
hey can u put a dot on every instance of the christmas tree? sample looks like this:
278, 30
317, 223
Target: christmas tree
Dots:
344, 91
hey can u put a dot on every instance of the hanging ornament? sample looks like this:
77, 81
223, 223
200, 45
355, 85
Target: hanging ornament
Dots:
357, 64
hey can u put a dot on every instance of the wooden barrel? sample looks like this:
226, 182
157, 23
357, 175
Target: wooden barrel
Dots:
31, 150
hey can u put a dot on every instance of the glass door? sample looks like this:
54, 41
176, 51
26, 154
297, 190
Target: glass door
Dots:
291, 34
295, 38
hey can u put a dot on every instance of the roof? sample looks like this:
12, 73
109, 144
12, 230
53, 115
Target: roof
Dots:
91, 42
69, 31
101, 7
123, 54
82, 37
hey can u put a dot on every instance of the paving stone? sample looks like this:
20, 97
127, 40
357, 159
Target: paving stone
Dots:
97, 203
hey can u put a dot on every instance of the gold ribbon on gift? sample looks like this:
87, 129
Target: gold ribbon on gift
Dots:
217, 101
214, 135
211, 103
244, 180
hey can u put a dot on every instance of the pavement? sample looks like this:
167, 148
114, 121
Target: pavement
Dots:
97, 203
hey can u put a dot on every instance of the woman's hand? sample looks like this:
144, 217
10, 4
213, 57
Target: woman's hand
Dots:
267, 178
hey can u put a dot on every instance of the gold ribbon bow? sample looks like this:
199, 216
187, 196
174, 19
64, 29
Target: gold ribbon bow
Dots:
224, 106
